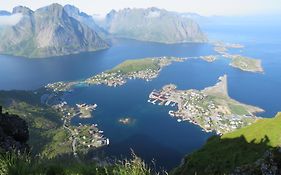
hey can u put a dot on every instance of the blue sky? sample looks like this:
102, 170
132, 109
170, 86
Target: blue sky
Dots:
203, 7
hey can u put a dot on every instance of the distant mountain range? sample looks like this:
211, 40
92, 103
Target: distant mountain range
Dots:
57, 30
153, 24
46, 32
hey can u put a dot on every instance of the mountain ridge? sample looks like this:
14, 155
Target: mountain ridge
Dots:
46, 32
154, 25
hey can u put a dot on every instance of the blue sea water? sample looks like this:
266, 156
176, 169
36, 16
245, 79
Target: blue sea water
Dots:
154, 134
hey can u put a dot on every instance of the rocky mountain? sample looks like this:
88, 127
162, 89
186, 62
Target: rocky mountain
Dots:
153, 24
48, 31
86, 19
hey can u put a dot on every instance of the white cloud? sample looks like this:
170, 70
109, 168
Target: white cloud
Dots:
10, 20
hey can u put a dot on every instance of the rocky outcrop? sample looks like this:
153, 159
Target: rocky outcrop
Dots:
269, 164
14, 133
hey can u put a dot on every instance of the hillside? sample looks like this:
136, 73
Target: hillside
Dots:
153, 24
255, 133
248, 149
15, 157
46, 134
46, 32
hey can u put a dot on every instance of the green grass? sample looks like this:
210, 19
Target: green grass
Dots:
270, 127
220, 155
47, 136
15, 164
137, 65
246, 63
238, 109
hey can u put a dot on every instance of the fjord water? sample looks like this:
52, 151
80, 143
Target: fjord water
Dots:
154, 134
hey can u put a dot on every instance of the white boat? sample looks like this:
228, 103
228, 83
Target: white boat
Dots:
179, 120
171, 113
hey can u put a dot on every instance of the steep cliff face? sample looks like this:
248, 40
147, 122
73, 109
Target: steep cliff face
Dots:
14, 133
48, 31
85, 19
153, 24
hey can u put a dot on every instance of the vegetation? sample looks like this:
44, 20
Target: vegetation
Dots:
221, 155
256, 133
246, 64
137, 65
12, 163
47, 137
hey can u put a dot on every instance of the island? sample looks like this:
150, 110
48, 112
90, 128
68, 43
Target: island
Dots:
222, 47
126, 121
211, 108
209, 58
85, 110
245, 63
237, 61
146, 69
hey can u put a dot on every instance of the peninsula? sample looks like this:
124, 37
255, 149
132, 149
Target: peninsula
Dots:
146, 69
211, 108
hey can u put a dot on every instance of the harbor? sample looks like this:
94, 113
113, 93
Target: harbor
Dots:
211, 109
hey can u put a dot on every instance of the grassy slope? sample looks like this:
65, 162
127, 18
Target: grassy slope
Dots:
246, 145
45, 126
137, 65
270, 127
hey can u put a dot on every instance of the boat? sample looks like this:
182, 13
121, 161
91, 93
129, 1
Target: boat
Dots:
171, 113
179, 120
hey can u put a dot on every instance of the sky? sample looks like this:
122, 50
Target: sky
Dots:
202, 7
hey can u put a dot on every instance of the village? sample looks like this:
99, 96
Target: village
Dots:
83, 136
145, 69
200, 109
118, 78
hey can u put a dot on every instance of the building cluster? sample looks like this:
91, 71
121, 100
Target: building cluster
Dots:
118, 78
90, 136
82, 136
198, 108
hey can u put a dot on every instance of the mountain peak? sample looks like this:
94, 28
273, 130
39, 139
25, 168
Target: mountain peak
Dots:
49, 31
22, 9
74, 11
72, 8
54, 9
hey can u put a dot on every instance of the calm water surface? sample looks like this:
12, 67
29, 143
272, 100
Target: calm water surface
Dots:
155, 135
